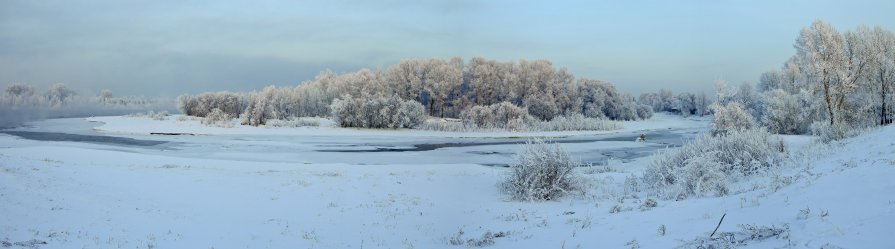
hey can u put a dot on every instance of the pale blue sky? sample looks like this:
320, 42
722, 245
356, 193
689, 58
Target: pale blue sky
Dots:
172, 47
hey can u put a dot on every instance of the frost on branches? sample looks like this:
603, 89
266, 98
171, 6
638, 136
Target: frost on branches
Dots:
705, 166
377, 112
731, 117
544, 171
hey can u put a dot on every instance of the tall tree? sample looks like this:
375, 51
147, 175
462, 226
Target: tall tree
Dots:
820, 46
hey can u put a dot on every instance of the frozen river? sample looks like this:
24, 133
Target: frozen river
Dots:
362, 149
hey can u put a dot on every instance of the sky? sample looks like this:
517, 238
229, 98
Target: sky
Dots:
168, 48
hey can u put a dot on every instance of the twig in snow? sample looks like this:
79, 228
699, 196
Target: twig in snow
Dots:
719, 225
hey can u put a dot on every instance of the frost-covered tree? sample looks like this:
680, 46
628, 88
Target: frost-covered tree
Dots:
200, 105
784, 114
731, 117
19, 90
105, 96
830, 62
377, 112
262, 106
686, 103
446, 88
58, 94
19, 95
844, 79
702, 104
652, 100
503, 115
880, 45
770, 80
538, 108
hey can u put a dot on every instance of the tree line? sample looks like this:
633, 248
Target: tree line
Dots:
445, 89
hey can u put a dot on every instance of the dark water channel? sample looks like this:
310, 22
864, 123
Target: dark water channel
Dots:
97, 139
665, 139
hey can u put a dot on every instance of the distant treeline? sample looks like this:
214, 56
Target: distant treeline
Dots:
20, 103
444, 88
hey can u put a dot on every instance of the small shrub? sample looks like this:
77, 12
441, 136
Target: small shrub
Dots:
544, 171
701, 175
618, 208
487, 239
644, 111
162, 115
502, 115
445, 124
457, 239
633, 244
632, 185
804, 214
649, 204
294, 122
575, 122
746, 235
217, 118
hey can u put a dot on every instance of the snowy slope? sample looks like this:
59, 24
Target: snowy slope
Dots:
72, 196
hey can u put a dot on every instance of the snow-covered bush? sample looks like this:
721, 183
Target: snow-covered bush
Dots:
161, 115
294, 122
377, 112
540, 109
444, 124
644, 111
218, 118
575, 122
478, 116
700, 175
506, 113
784, 113
411, 114
731, 117
704, 166
544, 171
202, 104
748, 234
837, 131
502, 115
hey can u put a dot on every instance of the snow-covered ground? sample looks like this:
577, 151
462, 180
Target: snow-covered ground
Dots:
248, 187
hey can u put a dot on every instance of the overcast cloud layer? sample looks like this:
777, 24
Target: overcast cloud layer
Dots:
171, 47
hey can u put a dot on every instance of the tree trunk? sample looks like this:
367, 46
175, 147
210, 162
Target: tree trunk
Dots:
827, 97
884, 94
